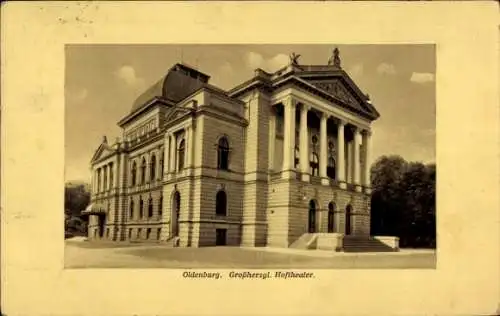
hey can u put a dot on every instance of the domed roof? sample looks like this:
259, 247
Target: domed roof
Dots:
179, 82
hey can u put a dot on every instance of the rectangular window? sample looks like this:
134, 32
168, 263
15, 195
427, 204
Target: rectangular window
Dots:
107, 232
130, 233
139, 233
158, 236
148, 233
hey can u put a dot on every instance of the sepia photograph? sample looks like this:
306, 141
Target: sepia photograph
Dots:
250, 156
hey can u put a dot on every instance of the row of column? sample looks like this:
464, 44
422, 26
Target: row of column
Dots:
289, 147
103, 178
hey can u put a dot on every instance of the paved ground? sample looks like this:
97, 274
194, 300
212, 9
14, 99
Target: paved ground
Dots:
130, 255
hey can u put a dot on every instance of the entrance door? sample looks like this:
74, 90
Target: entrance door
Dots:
331, 218
102, 220
312, 217
348, 211
176, 208
220, 237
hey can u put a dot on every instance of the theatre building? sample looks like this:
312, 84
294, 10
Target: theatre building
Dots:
279, 160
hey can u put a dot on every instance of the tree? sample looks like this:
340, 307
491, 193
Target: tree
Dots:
403, 201
76, 199
386, 174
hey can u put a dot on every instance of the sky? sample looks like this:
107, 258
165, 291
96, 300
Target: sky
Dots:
102, 82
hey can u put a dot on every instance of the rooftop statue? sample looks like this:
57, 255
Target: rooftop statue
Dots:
335, 59
294, 58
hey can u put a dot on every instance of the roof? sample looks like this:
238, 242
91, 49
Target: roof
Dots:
179, 82
94, 208
329, 81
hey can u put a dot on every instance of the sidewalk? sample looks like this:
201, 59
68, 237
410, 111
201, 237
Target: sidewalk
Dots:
331, 254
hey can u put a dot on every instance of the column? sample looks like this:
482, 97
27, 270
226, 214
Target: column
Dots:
304, 144
357, 162
323, 157
272, 137
289, 137
367, 149
190, 146
340, 171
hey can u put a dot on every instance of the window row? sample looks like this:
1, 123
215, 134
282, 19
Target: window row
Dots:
142, 130
223, 150
150, 207
314, 163
136, 233
153, 165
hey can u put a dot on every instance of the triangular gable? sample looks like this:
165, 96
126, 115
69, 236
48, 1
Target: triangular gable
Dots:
339, 85
176, 112
103, 151
339, 89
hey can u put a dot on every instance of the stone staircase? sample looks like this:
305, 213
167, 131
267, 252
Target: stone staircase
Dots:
306, 241
365, 244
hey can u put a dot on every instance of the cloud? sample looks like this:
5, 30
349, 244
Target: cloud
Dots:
356, 70
422, 77
78, 95
277, 62
224, 76
226, 68
255, 60
385, 68
128, 75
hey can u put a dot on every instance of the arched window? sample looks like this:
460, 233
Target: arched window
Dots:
131, 213
141, 208
223, 154
314, 164
150, 207
297, 156
160, 206
221, 203
134, 173
311, 223
143, 171
330, 169
348, 214
331, 217
152, 170
180, 155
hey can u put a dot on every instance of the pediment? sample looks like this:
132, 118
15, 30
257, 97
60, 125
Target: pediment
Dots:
343, 92
176, 113
103, 151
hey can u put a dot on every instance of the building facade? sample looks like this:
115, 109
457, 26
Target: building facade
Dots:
278, 157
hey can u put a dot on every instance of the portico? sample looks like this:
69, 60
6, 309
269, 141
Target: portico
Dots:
320, 144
